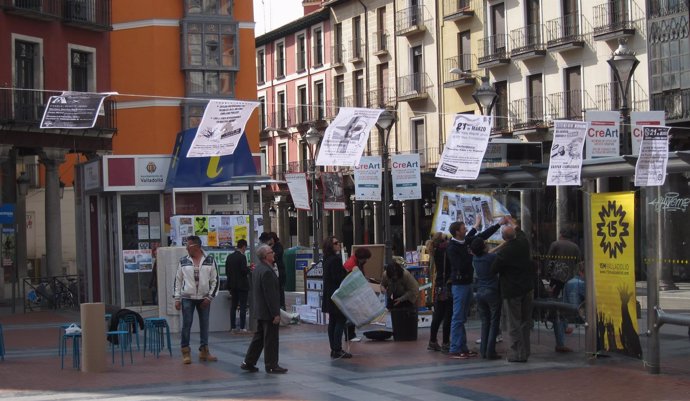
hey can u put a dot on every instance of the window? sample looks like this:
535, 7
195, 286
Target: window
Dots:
573, 93
82, 76
356, 37
501, 107
535, 103
319, 99
301, 53
318, 47
262, 112
281, 110
282, 158
358, 78
280, 60
338, 43
211, 83
192, 114
464, 51
381, 36
340, 90
261, 66
27, 70
382, 95
208, 7
498, 29
302, 103
209, 46
417, 140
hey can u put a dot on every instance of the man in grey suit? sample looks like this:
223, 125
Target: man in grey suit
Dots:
266, 302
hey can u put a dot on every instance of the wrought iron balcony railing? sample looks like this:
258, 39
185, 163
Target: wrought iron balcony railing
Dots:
356, 51
380, 41
456, 10
464, 63
528, 113
381, 98
337, 55
612, 19
410, 20
610, 97
528, 40
493, 50
569, 105
566, 31
92, 15
414, 86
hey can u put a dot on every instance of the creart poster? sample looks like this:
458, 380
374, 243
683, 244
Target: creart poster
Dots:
613, 245
603, 134
406, 177
368, 179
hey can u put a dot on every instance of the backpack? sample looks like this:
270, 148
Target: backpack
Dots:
558, 271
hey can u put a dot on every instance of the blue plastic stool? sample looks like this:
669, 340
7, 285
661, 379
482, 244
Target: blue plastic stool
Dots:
129, 323
123, 343
2, 345
61, 332
156, 330
76, 337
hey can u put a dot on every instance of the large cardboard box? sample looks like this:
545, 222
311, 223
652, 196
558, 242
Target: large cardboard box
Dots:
374, 267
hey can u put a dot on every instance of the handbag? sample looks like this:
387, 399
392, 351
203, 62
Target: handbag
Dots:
441, 292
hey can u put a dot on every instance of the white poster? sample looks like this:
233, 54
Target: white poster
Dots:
297, 184
603, 134
368, 179
406, 177
650, 169
466, 206
73, 110
565, 164
346, 136
221, 128
639, 119
465, 148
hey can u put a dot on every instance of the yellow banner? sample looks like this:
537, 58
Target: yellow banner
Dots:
613, 236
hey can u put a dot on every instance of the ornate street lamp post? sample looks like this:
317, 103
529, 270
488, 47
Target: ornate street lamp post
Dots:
623, 63
313, 138
385, 122
485, 96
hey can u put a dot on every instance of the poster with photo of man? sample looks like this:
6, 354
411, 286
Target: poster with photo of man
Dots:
346, 136
333, 193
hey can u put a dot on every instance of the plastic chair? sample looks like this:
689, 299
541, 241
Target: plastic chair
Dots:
2, 345
61, 332
76, 339
131, 326
123, 341
156, 330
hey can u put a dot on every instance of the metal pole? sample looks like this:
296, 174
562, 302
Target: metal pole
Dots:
653, 288
252, 254
314, 206
386, 202
590, 297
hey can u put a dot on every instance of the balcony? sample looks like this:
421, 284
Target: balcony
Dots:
414, 87
277, 120
381, 98
46, 10
410, 21
528, 113
337, 56
277, 171
527, 42
493, 51
466, 63
88, 14
380, 41
356, 51
569, 105
612, 20
565, 33
458, 10
21, 112
676, 104
609, 97
333, 106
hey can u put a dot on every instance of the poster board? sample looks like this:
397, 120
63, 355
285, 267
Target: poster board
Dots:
374, 267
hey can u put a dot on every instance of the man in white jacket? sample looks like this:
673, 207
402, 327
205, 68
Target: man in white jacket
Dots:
196, 284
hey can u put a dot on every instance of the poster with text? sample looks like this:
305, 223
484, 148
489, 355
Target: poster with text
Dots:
333, 193
406, 177
650, 169
137, 260
565, 164
639, 119
368, 179
346, 136
464, 151
221, 128
72, 110
613, 245
465, 207
297, 185
603, 134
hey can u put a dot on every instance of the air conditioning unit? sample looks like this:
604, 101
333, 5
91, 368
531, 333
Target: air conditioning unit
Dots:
77, 10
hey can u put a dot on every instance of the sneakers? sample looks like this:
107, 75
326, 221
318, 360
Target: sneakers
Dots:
356, 339
563, 349
445, 348
499, 338
276, 369
478, 341
433, 346
342, 354
249, 368
463, 355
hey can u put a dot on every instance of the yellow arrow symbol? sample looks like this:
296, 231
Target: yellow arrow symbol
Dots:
213, 171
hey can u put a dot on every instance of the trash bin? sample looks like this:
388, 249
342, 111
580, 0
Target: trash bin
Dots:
404, 322
302, 262
289, 261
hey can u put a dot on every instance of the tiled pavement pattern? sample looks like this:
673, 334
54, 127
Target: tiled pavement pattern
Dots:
379, 371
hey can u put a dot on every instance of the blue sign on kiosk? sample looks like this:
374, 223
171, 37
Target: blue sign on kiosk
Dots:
7, 213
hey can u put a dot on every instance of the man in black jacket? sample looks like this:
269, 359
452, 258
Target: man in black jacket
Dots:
237, 272
462, 275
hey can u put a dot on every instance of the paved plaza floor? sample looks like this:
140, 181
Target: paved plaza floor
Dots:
378, 371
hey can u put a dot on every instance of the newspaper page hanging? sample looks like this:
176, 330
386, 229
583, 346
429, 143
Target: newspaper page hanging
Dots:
333, 193
73, 110
297, 185
346, 136
565, 164
603, 134
221, 128
368, 179
406, 177
465, 148
639, 119
650, 169
465, 207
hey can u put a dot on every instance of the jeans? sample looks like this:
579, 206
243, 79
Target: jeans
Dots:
239, 297
188, 306
559, 326
336, 326
443, 312
462, 296
489, 306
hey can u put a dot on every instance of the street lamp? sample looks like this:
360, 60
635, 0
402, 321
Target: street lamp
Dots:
313, 138
485, 96
391, 209
385, 122
292, 212
623, 63
272, 212
428, 209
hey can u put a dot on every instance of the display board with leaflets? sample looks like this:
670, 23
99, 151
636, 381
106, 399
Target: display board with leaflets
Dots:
217, 231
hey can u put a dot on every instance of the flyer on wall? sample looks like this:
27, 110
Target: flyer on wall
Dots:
368, 179
221, 128
565, 164
297, 185
346, 137
406, 177
650, 169
464, 151
639, 119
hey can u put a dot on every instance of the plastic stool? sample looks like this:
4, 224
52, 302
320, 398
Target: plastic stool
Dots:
154, 338
61, 332
76, 337
129, 323
2, 345
122, 337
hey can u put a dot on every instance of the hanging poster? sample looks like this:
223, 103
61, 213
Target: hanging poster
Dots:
154, 225
241, 232
603, 137
613, 244
462, 156
406, 177
143, 225
650, 169
368, 179
221, 128
137, 260
466, 206
565, 164
639, 119
297, 185
73, 110
346, 136
333, 193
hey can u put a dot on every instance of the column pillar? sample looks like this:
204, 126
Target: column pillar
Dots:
561, 208
8, 194
303, 228
356, 221
52, 158
377, 224
282, 220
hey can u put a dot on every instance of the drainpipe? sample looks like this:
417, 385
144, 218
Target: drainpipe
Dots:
439, 79
366, 45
